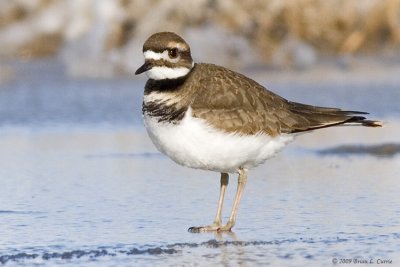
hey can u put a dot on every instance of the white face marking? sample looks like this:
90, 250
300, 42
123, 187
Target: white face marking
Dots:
164, 72
157, 56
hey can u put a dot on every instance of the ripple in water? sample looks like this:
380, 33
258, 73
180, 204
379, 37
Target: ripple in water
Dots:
177, 248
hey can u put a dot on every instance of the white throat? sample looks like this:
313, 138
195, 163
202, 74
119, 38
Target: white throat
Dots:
163, 72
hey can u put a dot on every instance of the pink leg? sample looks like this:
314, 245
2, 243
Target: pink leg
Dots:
218, 218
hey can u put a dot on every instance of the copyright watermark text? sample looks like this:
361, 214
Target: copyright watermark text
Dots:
361, 261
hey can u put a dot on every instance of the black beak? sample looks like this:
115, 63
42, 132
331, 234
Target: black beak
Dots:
145, 67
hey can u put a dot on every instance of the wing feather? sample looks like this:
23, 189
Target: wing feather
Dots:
235, 103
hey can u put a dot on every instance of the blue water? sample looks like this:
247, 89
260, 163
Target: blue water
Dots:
82, 185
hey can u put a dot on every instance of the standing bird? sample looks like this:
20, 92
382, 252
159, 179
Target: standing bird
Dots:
208, 117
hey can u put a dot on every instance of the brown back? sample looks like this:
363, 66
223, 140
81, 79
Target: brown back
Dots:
234, 103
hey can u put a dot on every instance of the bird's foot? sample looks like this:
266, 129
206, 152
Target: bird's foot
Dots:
203, 229
211, 228
226, 227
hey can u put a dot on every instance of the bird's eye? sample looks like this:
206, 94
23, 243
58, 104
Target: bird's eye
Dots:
173, 52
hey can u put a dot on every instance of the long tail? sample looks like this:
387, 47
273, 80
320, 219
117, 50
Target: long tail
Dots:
313, 117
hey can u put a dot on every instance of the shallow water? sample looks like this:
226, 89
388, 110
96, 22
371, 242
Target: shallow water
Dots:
82, 185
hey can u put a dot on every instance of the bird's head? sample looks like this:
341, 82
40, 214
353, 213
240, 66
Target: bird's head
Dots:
167, 56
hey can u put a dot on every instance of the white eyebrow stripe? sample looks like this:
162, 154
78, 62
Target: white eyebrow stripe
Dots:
180, 46
156, 56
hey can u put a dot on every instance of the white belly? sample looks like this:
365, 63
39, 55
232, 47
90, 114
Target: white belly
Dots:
194, 143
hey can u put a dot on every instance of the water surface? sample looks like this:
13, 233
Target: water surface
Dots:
82, 185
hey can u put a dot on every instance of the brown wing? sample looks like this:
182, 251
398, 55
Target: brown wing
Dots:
234, 103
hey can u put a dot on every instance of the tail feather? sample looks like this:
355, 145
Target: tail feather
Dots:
364, 122
323, 110
322, 117
370, 123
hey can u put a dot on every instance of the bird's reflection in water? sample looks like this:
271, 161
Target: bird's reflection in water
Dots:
219, 236
230, 245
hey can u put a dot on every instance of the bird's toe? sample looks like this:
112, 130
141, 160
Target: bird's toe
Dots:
202, 229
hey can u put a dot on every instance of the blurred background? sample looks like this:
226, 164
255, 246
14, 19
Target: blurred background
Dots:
73, 60
101, 38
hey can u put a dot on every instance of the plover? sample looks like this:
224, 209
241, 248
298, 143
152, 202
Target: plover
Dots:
208, 117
